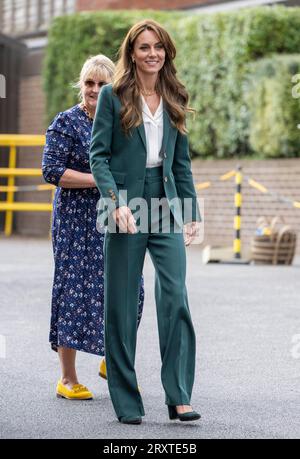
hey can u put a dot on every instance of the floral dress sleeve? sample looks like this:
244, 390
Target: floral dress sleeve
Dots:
59, 144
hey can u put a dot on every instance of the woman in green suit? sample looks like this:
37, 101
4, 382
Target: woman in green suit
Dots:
140, 161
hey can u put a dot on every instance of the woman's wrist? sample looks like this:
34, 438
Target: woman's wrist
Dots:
76, 179
92, 181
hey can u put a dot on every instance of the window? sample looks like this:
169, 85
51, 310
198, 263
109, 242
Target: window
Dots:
25, 16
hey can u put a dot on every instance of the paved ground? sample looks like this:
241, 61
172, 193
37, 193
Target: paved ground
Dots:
247, 380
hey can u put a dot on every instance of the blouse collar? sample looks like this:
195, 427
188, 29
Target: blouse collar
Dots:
146, 110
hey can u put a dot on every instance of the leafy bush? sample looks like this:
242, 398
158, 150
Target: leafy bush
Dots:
74, 38
273, 112
214, 54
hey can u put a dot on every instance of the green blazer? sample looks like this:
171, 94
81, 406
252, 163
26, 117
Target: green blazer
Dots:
118, 162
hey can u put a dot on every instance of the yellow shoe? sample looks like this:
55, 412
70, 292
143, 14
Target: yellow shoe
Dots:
102, 369
78, 392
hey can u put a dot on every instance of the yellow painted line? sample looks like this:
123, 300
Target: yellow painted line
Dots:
45, 187
238, 199
228, 175
5, 189
296, 204
257, 185
237, 245
19, 172
237, 222
22, 140
25, 206
203, 185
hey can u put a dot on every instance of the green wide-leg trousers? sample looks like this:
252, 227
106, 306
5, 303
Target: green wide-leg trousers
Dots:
124, 259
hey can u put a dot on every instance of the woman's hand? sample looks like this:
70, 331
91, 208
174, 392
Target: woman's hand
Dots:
125, 220
191, 230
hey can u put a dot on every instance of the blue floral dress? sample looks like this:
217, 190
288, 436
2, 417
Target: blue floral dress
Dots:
77, 318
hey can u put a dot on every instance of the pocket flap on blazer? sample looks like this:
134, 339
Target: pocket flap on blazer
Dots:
119, 177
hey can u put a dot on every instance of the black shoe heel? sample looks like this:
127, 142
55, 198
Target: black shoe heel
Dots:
172, 412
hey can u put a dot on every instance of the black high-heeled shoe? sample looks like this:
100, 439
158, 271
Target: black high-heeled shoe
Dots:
189, 416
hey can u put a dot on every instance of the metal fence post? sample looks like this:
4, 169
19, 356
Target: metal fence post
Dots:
10, 194
237, 218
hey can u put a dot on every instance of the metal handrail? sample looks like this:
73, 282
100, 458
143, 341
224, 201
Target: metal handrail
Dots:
9, 206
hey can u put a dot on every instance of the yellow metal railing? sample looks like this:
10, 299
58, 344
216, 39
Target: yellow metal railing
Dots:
9, 206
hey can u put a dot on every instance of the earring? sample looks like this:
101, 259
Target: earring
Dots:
133, 61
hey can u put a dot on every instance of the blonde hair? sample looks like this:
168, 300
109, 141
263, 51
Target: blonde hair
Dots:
98, 67
126, 84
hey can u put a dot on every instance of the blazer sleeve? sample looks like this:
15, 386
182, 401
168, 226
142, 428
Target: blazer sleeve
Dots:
184, 180
100, 151
59, 144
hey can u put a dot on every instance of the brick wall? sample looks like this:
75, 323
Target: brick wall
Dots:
93, 5
280, 176
90, 5
32, 105
32, 121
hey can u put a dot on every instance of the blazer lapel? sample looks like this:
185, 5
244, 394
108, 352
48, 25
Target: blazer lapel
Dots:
166, 131
141, 131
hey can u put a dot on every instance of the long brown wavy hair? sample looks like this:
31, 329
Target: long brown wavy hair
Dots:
126, 82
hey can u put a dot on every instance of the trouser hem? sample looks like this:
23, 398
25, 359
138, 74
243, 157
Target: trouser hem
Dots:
177, 402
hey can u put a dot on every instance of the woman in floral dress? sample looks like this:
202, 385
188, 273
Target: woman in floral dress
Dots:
77, 319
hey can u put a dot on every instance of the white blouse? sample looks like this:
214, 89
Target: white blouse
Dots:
154, 133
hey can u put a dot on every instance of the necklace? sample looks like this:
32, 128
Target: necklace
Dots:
84, 108
147, 94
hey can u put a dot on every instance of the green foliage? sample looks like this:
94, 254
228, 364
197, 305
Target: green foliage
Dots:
214, 55
273, 111
214, 52
74, 38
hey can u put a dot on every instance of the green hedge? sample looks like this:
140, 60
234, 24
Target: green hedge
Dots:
214, 54
73, 38
273, 112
